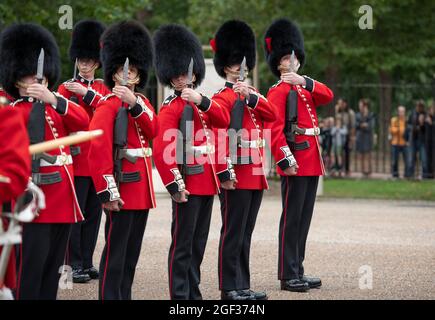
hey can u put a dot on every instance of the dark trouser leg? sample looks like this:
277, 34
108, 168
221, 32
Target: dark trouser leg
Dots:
59, 234
74, 255
235, 205
117, 231
91, 226
307, 214
34, 250
198, 246
293, 191
245, 275
139, 221
184, 217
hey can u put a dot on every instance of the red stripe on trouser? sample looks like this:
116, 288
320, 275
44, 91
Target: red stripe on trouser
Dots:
174, 237
107, 256
223, 237
283, 229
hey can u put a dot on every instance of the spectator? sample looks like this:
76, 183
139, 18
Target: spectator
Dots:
399, 144
416, 126
326, 140
430, 141
339, 134
347, 116
365, 123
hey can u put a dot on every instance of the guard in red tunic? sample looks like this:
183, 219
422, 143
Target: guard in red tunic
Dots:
14, 171
30, 68
295, 131
84, 51
184, 154
241, 195
120, 162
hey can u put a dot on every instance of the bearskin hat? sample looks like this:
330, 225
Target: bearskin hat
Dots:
126, 39
233, 41
175, 45
85, 42
20, 46
281, 38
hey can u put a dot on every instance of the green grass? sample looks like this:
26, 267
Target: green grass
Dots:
380, 189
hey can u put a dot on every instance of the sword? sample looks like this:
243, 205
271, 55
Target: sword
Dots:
124, 81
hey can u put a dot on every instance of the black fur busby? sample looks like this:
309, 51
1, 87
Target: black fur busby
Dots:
280, 39
233, 41
20, 45
126, 39
85, 41
175, 45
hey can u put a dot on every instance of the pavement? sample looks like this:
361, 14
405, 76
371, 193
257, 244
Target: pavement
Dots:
361, 249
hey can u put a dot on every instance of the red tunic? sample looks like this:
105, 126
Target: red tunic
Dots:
61, 200
142, 127
313, 95
257, 112
206, 116
96, 91
14, 164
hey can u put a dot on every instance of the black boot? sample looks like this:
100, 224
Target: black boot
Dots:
294, 285
234, 295
257, 295
313, 282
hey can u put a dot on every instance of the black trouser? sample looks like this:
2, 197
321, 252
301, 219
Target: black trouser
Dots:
41, 258
124, 232
298, 197
84, 234
239, 210
190, 226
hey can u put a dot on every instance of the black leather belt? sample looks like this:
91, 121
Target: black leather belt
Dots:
192, 170
75, 150
127, 177
46, 178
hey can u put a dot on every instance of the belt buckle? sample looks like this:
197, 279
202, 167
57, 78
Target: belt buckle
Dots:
260, 143
146, 152
63, 159
316, 131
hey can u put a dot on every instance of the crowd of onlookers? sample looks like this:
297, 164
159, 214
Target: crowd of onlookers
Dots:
348, 131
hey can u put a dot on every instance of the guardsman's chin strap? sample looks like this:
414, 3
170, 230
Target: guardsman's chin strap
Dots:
117, 78
24, 85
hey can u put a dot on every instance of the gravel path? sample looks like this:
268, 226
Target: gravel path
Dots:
362, 249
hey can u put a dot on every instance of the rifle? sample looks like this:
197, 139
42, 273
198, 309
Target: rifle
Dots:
186, 128
74, 98
236, 122
36, 124
291, 115
120, 132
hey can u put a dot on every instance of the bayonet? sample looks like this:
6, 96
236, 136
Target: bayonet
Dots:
292, 65
40, 67
75, 70
242, 70
125, 72
190, 74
